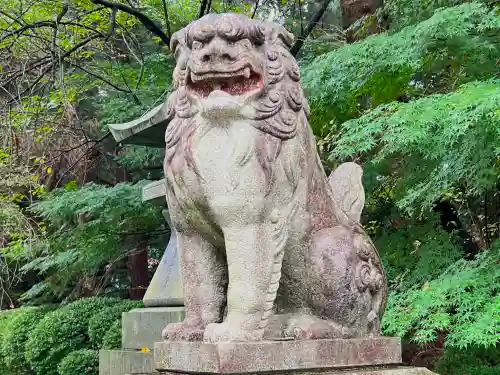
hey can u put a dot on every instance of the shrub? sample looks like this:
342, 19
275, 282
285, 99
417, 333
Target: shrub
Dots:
113, 338
471, 361
62, 331
16, 334
80, 362
101, 322
6, 316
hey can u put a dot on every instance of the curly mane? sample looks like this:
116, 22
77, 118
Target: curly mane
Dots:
276, 110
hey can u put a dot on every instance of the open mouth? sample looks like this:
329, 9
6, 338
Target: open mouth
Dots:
236, 84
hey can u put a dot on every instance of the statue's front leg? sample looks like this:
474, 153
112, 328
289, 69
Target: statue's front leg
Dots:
205, 278
254, 271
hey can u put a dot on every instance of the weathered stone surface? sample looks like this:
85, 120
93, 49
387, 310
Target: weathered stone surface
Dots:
372, 370
259, 229
121, 362
141, 328
266, 356
393, 370
166, 287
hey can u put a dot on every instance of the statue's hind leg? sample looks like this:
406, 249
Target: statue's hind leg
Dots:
349, 288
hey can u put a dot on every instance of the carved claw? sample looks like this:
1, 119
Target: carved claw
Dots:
313, 328
182, 332
224, 332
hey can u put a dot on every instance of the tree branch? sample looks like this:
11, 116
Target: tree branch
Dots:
64, 10
310, 27
28, 27
255, 9
82, 156
145, 20
203, 5
12, 18
117, 88
112, 24
52, 64
167, 21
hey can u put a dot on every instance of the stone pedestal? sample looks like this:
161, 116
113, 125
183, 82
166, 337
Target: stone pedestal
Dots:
366, 356
266, 356
141, 328
121, 362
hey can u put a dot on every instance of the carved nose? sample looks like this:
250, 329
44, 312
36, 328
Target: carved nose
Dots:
216, 56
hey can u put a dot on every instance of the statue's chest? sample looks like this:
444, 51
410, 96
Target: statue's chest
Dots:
217, 161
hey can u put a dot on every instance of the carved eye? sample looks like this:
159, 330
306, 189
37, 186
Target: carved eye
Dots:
197, 45
246, 44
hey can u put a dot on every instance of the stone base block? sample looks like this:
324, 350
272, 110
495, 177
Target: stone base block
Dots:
275, 356
124, 362
141, 328
399, 370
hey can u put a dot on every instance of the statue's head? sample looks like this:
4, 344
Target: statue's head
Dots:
232, 67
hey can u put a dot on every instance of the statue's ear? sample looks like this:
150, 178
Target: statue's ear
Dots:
283, 36
177, 42
277, 34
348, 192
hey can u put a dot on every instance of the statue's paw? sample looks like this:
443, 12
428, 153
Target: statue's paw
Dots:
182, 332
313, 328
223, 332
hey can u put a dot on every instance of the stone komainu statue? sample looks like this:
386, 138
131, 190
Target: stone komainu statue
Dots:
270, 248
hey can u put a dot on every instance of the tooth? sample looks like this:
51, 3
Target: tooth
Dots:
246, 73
193, 77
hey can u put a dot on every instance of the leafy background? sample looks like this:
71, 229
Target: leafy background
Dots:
408, 89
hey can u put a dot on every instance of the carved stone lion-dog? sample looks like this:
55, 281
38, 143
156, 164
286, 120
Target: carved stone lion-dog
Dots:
270, 248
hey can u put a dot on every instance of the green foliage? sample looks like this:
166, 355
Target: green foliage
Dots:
454, 46
80, 362
100, 323
89, 228
113, 338
416, 252
408, 12
16, 333
153, 80
145, 162
6, 316
61, 332
425, 135
463, 301
441, 144
471, 361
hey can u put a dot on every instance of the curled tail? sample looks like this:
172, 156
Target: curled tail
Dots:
347, 187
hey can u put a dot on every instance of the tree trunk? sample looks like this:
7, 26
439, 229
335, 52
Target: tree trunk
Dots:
138, 271
353, 10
